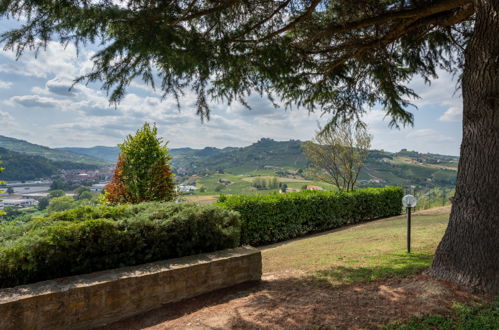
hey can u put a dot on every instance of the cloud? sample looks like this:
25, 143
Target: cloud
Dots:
5, 117
55, 60
9, 125
5, 84
428, 135
442, 91
31, 101
453, 114
259, 107
61, 87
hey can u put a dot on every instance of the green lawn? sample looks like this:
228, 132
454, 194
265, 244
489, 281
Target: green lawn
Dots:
361, 253
463, 317
376, 250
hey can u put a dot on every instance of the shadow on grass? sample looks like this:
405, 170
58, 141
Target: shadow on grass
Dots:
385, 266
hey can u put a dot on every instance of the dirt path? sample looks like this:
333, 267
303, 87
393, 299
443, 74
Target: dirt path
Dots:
295, 302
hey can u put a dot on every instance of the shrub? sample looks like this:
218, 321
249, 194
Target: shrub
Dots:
90, 239
56, 193
277, 217
62, 203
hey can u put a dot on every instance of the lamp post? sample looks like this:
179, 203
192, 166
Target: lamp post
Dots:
409, 202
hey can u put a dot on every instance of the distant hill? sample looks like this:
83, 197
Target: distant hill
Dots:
109, 154
19, 166
381, 168
265, 152
31, 149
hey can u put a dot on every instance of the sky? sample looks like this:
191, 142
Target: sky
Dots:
36, 105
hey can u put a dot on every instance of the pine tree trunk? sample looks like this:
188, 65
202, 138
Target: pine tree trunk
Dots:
469, 251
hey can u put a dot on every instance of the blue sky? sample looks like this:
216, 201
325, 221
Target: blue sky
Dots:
35, 105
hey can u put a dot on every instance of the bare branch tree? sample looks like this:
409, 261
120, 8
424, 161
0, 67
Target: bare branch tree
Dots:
338, 154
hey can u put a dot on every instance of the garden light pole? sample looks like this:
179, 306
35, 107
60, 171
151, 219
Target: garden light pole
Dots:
409, 202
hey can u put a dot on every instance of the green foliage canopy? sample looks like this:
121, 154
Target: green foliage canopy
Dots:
62, 203
331, 56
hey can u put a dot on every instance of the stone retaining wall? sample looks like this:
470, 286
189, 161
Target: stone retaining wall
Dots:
86, 301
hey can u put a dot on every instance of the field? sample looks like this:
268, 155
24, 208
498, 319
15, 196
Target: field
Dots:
242, 183
355, 277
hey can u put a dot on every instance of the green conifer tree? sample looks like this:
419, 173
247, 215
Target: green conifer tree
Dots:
143, 171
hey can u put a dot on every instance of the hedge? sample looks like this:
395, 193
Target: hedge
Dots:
91, 239
277, 217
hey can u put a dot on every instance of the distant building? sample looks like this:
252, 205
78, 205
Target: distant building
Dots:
19, 203
98, 187
289, 190
376, 180
38, 196
186, 188
312, 187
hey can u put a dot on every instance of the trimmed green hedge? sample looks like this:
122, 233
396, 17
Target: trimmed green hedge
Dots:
277, 217
90, 239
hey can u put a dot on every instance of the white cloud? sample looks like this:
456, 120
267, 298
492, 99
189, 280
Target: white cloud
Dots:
5, 84
453, 114
428, 135
33, 101
441, 91
61, 86
55, 60
5, 117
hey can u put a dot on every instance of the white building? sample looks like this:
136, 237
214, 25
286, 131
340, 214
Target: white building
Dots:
186, 188
98, 187
19, 203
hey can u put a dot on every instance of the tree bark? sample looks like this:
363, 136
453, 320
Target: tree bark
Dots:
469, 251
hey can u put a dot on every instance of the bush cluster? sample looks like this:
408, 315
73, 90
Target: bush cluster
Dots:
277, 217
93, 238
89, 239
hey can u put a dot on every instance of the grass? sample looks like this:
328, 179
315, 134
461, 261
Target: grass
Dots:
242, 185
375, 250
361, 253
461, 317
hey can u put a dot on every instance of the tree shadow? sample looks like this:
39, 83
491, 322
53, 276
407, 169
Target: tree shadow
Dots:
313, 301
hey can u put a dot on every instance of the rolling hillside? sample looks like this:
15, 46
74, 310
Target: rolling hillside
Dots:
19, 166
109, 154
381, 168
31, 149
